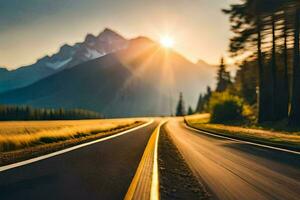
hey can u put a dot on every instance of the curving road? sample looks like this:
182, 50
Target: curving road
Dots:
99, 171
234, 170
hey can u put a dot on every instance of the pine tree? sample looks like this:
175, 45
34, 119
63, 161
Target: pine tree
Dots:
200, 104
208, 93
224, 79
190, 111
180, 110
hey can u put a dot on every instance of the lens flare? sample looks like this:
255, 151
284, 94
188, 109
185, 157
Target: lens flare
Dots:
167, 42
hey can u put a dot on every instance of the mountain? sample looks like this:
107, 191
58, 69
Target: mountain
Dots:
93, 47
3, 70
143, 79
167, 70
68, 56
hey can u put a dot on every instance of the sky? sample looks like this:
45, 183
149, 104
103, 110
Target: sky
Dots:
31, 29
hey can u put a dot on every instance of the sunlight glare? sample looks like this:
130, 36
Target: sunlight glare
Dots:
167, 42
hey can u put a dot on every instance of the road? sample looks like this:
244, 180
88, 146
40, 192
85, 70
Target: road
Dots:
236, 170
99, 171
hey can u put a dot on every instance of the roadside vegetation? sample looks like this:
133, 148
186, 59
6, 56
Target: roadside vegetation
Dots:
289, 139
225, 107
24, 139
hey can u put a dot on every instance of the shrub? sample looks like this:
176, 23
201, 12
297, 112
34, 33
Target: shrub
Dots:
225, 107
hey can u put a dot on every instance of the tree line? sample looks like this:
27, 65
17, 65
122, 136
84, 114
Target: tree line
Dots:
266, 32
8, 112
224, 84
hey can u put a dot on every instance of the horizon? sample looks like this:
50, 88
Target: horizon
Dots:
40, 22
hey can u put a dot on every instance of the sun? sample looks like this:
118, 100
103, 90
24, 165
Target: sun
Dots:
167, 42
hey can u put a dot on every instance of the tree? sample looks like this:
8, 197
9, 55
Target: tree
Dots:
247, 25
254, 23
223, 78
276, 17
180, 110
200, 104
294, 118
285, 91
190, 111
245, 82
208, 94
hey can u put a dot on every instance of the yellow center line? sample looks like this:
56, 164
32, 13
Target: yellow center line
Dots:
145, 183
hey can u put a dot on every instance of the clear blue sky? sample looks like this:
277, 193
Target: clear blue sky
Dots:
30, 29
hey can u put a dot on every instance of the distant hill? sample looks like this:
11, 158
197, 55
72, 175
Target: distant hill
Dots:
68, 56
168, 71
142, 79
96, 85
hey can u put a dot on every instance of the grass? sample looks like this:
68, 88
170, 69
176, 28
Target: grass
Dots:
19, 135
265, 134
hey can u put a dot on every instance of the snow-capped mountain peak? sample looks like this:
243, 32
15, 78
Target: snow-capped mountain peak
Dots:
90, 39
92, 47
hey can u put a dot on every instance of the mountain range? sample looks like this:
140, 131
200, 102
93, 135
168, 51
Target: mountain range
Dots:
68, 56
109, 74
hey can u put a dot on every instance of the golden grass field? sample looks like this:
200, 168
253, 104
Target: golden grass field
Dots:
201, 121
20, 134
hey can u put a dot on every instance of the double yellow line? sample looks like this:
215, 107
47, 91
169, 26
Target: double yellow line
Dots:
145, 183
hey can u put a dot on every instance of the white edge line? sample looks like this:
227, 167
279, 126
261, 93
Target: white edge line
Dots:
154, 193
32, 160
243, 141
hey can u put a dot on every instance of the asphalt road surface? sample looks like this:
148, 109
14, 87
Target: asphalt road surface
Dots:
236, 170
99, 171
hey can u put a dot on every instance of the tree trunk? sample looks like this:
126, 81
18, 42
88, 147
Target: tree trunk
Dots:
294, 118
286, 88
275, 101
262, 114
